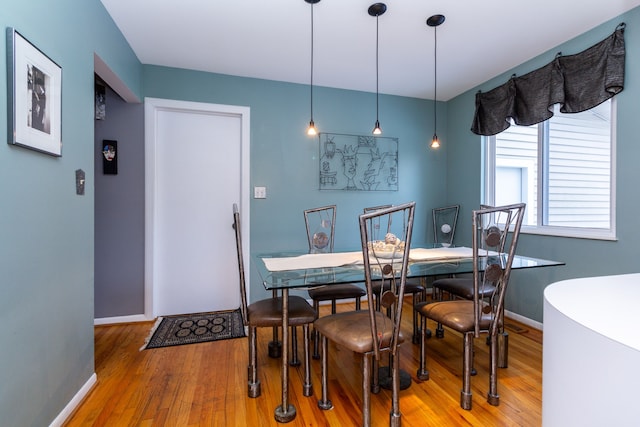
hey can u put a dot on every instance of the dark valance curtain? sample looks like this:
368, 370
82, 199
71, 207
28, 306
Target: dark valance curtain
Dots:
576, 82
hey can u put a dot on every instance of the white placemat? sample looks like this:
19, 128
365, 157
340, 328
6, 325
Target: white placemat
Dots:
434, 254
338, 259
301, 262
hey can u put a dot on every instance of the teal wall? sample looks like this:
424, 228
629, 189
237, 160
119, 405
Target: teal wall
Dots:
583, 257
46, 230
285, 160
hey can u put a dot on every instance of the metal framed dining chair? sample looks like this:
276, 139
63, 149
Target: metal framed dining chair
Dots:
444, 224
462, 288
445, 220
372, 332
414, 286
320, 224
268, 313
495, 237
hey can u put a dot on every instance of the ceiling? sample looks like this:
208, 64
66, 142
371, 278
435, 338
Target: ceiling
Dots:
272, 39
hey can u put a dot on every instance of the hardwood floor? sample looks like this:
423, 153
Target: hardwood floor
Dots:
206, 384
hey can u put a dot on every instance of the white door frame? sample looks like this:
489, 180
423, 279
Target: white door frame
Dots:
151, 108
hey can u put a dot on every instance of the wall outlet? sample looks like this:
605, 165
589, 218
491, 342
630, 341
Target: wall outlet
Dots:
259, 192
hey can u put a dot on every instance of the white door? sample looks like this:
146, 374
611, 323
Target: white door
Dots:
197, 166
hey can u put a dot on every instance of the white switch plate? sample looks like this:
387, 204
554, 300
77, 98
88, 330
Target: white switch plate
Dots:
259, 192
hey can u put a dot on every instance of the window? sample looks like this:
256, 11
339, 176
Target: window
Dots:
562, 168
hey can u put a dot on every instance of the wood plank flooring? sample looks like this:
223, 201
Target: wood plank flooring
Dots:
206, 384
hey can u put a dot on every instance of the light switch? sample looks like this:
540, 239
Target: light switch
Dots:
80, 182
259, 192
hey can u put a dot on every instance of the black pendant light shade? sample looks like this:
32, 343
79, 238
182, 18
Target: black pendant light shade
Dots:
435, 21
311, 130
376, 10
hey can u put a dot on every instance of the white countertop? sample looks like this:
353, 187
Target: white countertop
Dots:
608, 305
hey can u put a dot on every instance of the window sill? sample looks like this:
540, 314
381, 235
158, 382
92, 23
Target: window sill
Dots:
575, 233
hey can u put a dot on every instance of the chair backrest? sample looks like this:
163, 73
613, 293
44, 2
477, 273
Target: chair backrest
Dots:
444, 224
495, 237
375, 208
243, 288
374, 232
387, 260
320, 224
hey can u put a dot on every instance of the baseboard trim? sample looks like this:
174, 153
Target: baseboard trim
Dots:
75, 401
524, 320
121, 319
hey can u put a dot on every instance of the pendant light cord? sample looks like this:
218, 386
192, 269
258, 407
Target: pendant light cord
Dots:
311, 87
435, 78
376, 10
377, 74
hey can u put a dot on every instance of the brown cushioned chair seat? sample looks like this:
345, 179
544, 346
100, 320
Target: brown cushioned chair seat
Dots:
268, 312
456, 314
462, 287
352, 330
331, 292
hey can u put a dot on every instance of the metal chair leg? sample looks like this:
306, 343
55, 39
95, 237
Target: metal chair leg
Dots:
324, 402
422, 373
492, 397
503, 350
435, 293
374, 378
307, 387
366, 391
275, 346
439, 328
473, 369
465, 393
253, 383
316, 334
416, 298
294, 347
395, 416
503, 344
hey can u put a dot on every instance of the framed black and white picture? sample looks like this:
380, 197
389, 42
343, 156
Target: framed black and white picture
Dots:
35, 94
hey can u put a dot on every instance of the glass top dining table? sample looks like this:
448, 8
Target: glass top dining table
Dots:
285, 270
298, 269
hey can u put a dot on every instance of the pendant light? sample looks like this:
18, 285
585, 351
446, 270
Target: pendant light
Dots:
434, 21
376, 10
311, 130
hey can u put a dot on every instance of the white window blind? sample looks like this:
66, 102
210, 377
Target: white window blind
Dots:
562, 169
